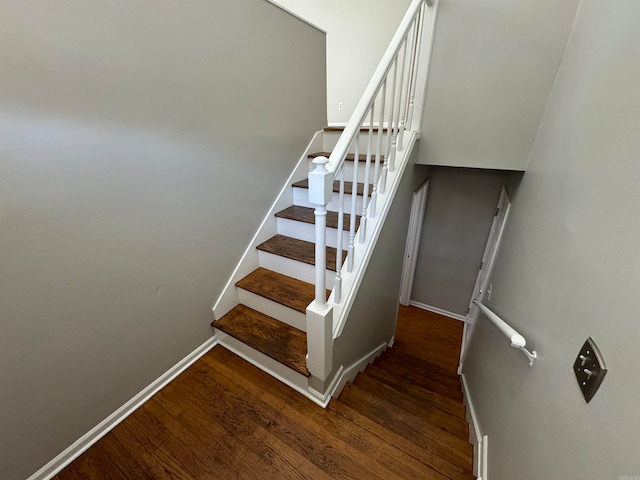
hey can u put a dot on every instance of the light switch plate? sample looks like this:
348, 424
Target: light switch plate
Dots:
590, 369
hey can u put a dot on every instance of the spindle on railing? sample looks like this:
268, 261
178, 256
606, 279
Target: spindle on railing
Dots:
393, 82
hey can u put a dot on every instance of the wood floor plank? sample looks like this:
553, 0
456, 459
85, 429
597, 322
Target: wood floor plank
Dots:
420, 394
298, 250
307, 215
224, 418
423, 455
427, 413
246, 445
442, 444
441, 335
248, 407
382, 458
421, 372
287, 291
278, 340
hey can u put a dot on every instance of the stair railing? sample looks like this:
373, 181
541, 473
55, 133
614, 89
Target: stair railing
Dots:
517, 340
385, 111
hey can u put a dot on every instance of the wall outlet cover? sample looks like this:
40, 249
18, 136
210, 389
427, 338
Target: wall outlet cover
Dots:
590, 369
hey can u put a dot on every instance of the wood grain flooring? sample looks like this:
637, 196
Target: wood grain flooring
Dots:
275, 339
287, 291
225, 419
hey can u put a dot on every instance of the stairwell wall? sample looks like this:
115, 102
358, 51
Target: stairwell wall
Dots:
373, 316
141, 144
569, 268
358, 33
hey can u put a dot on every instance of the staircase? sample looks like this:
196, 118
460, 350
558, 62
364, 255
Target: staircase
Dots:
416, 407
274, 310
270, 318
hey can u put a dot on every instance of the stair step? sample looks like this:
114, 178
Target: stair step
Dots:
424, 411
348, 186
441, 468
287, 291
275, 339
298, 250
416, 392
350, 156
422, 373
306, 215
450, 448
379, 449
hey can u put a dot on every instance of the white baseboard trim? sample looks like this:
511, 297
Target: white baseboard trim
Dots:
277, 370
350, 373
479, 441
324, 399
96, 433
455, 316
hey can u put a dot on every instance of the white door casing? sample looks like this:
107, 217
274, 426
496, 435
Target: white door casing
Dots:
413, 242
486, 267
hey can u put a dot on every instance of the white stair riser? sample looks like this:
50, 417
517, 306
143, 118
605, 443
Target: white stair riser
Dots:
348, 170
301, 198
265, 363
306, 231
273, 309
348, 167
329, 140
293, 268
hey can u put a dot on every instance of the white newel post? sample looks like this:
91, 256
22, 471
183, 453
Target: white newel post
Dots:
319, 314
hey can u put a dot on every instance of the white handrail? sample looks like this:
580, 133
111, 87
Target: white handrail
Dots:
369, 199
517, 340
362, 109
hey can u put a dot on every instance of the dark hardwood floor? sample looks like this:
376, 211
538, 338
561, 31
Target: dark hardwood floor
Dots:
224, 418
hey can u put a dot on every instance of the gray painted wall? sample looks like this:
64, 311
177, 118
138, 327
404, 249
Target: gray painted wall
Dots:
141, 145
492, 68
372, 320
461, 204
569, 269
358, 33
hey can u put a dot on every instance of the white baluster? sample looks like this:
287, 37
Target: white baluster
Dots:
396, 126
354, 203
410, 39
414, 65
383, 176
376, 172
337, 289
320, 193
367, 173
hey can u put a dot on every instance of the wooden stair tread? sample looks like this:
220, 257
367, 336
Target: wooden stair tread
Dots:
306, 215
450, 448
349, 158
287, 291
421, 372
348, 186
298, 250
423, 411
275, 339
418, 393
423, 455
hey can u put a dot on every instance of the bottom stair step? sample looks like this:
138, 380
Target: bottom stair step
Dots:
275, 339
